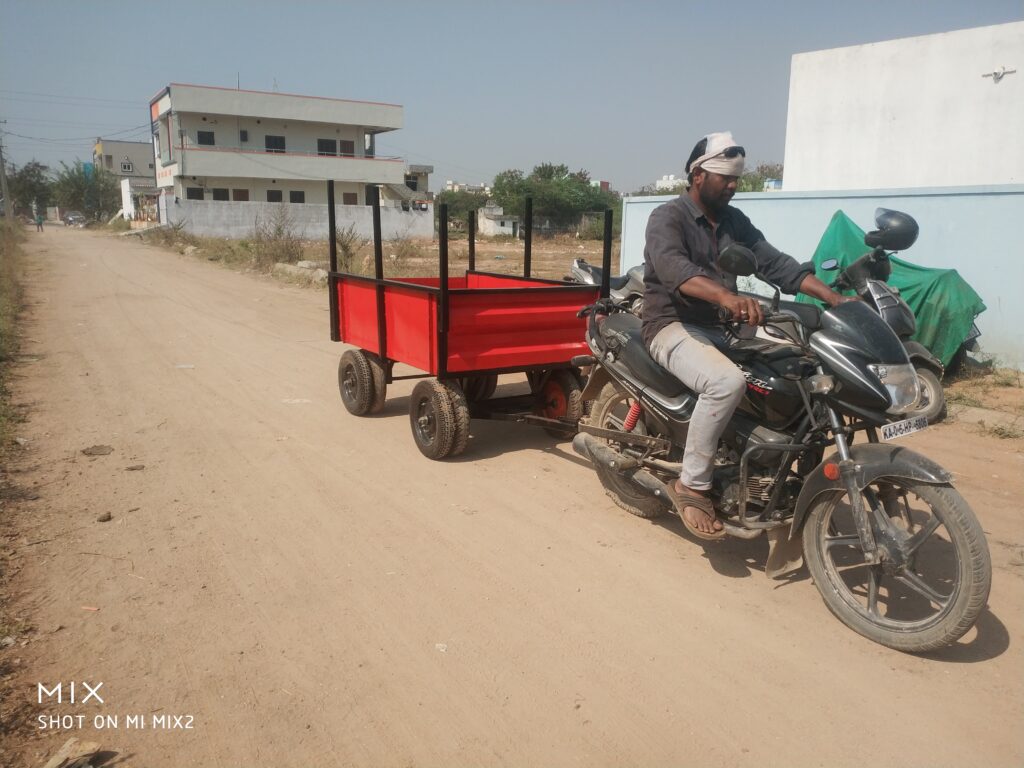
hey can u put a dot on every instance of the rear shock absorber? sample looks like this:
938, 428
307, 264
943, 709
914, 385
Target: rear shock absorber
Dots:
632, 417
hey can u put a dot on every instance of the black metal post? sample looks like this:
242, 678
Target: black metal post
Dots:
442, 305
471, 230
606, 257
332, 235
378, 273
528, 247
332, 281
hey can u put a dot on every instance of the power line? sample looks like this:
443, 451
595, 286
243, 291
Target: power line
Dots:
70, 96
69, 139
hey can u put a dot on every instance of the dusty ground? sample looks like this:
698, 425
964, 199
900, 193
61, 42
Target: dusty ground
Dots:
311, 591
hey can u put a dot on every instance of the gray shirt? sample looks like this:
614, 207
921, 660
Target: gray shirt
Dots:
682, 243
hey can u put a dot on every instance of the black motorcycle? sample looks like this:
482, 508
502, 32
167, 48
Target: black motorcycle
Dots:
867, 277
895, 551
627, 288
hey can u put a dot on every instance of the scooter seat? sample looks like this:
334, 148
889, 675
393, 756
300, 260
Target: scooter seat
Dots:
621, 332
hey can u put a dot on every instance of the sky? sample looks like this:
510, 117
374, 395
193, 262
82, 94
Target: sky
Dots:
621, 89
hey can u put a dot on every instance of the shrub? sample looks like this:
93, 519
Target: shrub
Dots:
275, 240
349, 245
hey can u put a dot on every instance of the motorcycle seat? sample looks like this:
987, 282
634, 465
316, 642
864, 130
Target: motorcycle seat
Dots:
621, 333
617, 282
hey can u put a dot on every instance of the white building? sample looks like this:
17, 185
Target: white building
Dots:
669, 183
491, 220
932, 111
223, 144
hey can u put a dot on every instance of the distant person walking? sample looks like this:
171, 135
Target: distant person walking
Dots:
39, 222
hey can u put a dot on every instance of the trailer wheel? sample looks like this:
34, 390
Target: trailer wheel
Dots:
560, 397
378, 372
479, 388
356, 381
439, 418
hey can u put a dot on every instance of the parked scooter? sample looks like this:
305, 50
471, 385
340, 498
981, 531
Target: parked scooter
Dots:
895, 551
867, 275
627, 288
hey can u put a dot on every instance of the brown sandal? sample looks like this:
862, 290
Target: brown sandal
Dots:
687, 498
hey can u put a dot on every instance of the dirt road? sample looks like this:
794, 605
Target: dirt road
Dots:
311, 591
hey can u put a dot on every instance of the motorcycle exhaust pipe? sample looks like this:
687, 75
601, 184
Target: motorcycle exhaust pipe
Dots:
591, 448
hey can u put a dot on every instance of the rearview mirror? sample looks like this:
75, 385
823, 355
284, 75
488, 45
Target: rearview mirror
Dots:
830, 265
738, 259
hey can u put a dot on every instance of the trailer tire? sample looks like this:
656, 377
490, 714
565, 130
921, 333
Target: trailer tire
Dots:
355, 382
479, 388
460, 413
439, 417
378, 372
560, 397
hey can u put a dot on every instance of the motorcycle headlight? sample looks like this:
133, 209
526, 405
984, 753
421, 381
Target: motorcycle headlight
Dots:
900, 381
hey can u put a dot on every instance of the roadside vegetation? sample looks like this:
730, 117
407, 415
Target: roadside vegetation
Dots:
994, 388
10, 308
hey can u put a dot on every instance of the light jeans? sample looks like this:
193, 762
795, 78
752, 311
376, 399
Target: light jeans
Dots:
691, 353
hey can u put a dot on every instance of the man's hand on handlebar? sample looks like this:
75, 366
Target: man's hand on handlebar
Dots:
742, 309
837, 298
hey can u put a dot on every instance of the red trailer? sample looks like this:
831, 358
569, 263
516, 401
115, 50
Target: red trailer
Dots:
462, 332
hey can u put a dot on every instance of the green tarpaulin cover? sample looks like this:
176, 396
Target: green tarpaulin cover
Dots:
942, 301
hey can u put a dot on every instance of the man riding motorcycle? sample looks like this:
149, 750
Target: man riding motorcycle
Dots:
684, 291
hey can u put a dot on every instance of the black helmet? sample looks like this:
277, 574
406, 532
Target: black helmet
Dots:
896, 231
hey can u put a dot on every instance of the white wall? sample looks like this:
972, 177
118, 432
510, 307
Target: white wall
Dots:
914, 112
299, 136
238, 220
316, 191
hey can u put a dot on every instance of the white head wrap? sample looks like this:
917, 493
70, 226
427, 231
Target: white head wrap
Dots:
714, 161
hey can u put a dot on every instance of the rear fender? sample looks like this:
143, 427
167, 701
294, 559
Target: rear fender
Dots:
595, 383
921, 357
871, 461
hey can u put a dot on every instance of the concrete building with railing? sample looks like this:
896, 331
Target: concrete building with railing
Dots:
229, 145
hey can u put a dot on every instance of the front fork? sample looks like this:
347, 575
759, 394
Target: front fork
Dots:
848, 474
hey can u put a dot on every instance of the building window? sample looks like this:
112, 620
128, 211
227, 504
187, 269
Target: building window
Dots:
411, 181
275, 196
349, 198
348, 148
151, 166
274, 143
243, 135
204, 138
126, 166
296, 196
108, 160
220, 194
326, 147
194, 193
240, 195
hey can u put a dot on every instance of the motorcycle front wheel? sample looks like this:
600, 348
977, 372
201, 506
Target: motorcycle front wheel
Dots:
930, 600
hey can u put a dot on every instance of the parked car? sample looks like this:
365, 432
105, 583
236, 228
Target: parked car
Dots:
73, 219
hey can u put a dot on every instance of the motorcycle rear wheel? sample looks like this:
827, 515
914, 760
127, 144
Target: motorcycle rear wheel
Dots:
933, 398
928, 604
609, 412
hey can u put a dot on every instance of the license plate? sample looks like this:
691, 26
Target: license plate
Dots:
901, 428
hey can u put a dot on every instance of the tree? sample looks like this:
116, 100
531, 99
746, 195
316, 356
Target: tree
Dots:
90, 189
30, 185
558, 196
460, 204
753, 181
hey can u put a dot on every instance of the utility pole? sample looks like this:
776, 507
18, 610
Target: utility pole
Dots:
8, 210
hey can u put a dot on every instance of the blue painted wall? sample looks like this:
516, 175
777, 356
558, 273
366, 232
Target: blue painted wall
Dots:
979, 231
